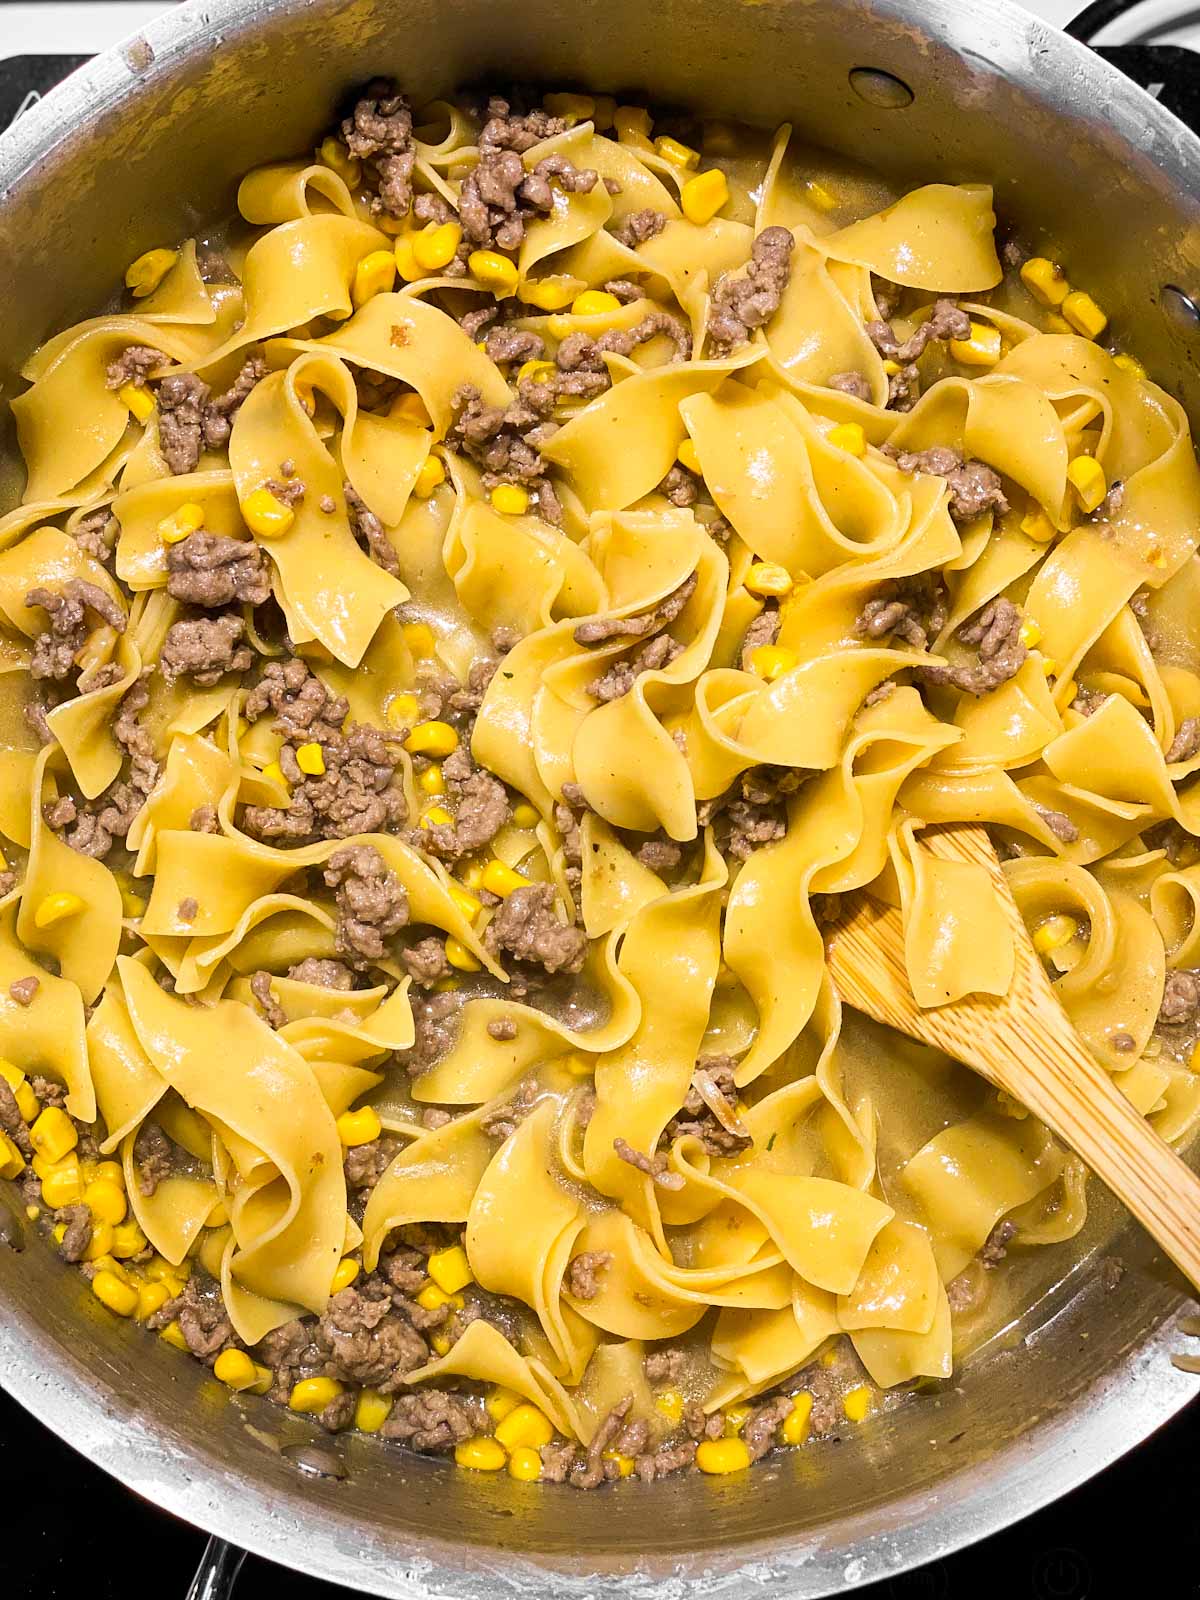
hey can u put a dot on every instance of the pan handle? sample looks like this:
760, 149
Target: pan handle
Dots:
217, 1572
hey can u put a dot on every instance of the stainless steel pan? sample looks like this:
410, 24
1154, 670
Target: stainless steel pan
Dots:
144, 145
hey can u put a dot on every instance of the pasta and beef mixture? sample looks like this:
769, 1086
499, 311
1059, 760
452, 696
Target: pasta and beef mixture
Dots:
464, 631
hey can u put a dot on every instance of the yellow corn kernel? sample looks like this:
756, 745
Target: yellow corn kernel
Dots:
436, 817
436, 739
359, 1127
53, 1135
106, 1201
264, 515
128, 1240
594, 303
480, 1454
704, 195
473, 876
374, 274
535, 372
891, 367
273, 773
1057, 324
406, 260
550, 294
848, 436
1087, 478
460, 957
311, 1395
1037, 525
139, 402
102, 1241
670, 1403
493, 271
526, 816
982, 349
1050, 666
189, 518
174, 1334
572, 108
770, 661
62, 1185
431, 1298
676, 152
27, 1101
236, 1370
525, 1465
736, 1418
687, 456
145, 274
466, 902
332, 153
1130, 364
56, 907
625, 1464
12, 1162
347, 1271
1053, 934
429, 478
1084, 315
795, 1426
435, 247
419, 638
151, 1297
857, 1403
104, 1172
502, 880
310, 758
403, 710
722, 1455
579, 1065
1046, 281
450, 1269
33, 1212
1030, 633
510, 499
371, 1410
824, 199
411, 407
633, 126
117, 1296
525, 1425
431, 781
765, 578
500, 1402
160, 1270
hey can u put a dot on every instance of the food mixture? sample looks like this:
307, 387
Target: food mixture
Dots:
464, 631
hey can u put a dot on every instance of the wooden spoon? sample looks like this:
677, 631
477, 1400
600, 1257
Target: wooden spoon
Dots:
1024, 1043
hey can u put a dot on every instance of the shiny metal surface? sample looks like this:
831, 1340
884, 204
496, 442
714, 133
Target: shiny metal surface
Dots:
145, 144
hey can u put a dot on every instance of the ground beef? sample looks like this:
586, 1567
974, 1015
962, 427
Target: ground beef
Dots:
96, 534
1186, 742
526, 927
664, 1366
365, 1164
12, 1122
763, 629
426, 961
433, 1419
371, 903
379, 132
498, 196
514, 344
639, 226
745, 302
996, 1245
369, 1341
434, 1033
327, 973
24, 990
599, 630
914, 609
133, 365
852, 383
273, 1013
974, 487
204, 820
192, 419
368, 530
505, 442
681, 487
945, 321
504, 1120
696, 1118
200, 1312
206, 569
153, 1158
579, 352
480, 805
997, 634
502, 1029
660, 854
699, 1425
624, 290
753, 812
760, 1428
55, 648
93, 829
654, 1166
668, 1458
1058, 822
205, 649
1180, 1004
557, 1459
303, 707
590, 1472
624, 673
582, 1277
74, 1243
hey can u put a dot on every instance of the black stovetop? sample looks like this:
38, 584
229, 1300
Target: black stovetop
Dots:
67, 1530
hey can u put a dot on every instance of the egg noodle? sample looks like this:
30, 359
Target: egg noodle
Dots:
858, 1182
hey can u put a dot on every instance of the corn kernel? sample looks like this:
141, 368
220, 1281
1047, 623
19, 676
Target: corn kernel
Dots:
525, 1425
1057, 324
1084, 315
857, 1403
151, 1297
1054, 933
848, 436
466, 902
189, 518
418, 636
53, 1135
450, 1269
371, 1411
310, 758
22, 1089
982, 349
633, 126
102, 1241
579, 1065
1037, 525
273, 773
431, 1298
128, 1240
374, 274
56, 907
736, 1418
625, 1464
550, 294
764, 578
473, 876
770, 661
824, 199
1050, 666
411, 407
139, 402
1046, 281
145, 274
795, 1427
891, 367
117, 1296
347, 1271
62, 1185
106, 1201
104, 1172
1090, 484
535, 372
502, 880
359, 1127
435, 247
33, 1212
174, 1334
431, 781
525, 816
460, 957
405, 258
688, 457
677, 153
480, 1454
12, 1162
236, 1370
704, 195
430, 477
670, 1403
500, 1402
436, 739
402, 711
722, 1455
312, 1395
510, 499
594, 303
572, 108
1030, 633
1130, 364
493, 271
266, 516
525, 1465
436, 817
